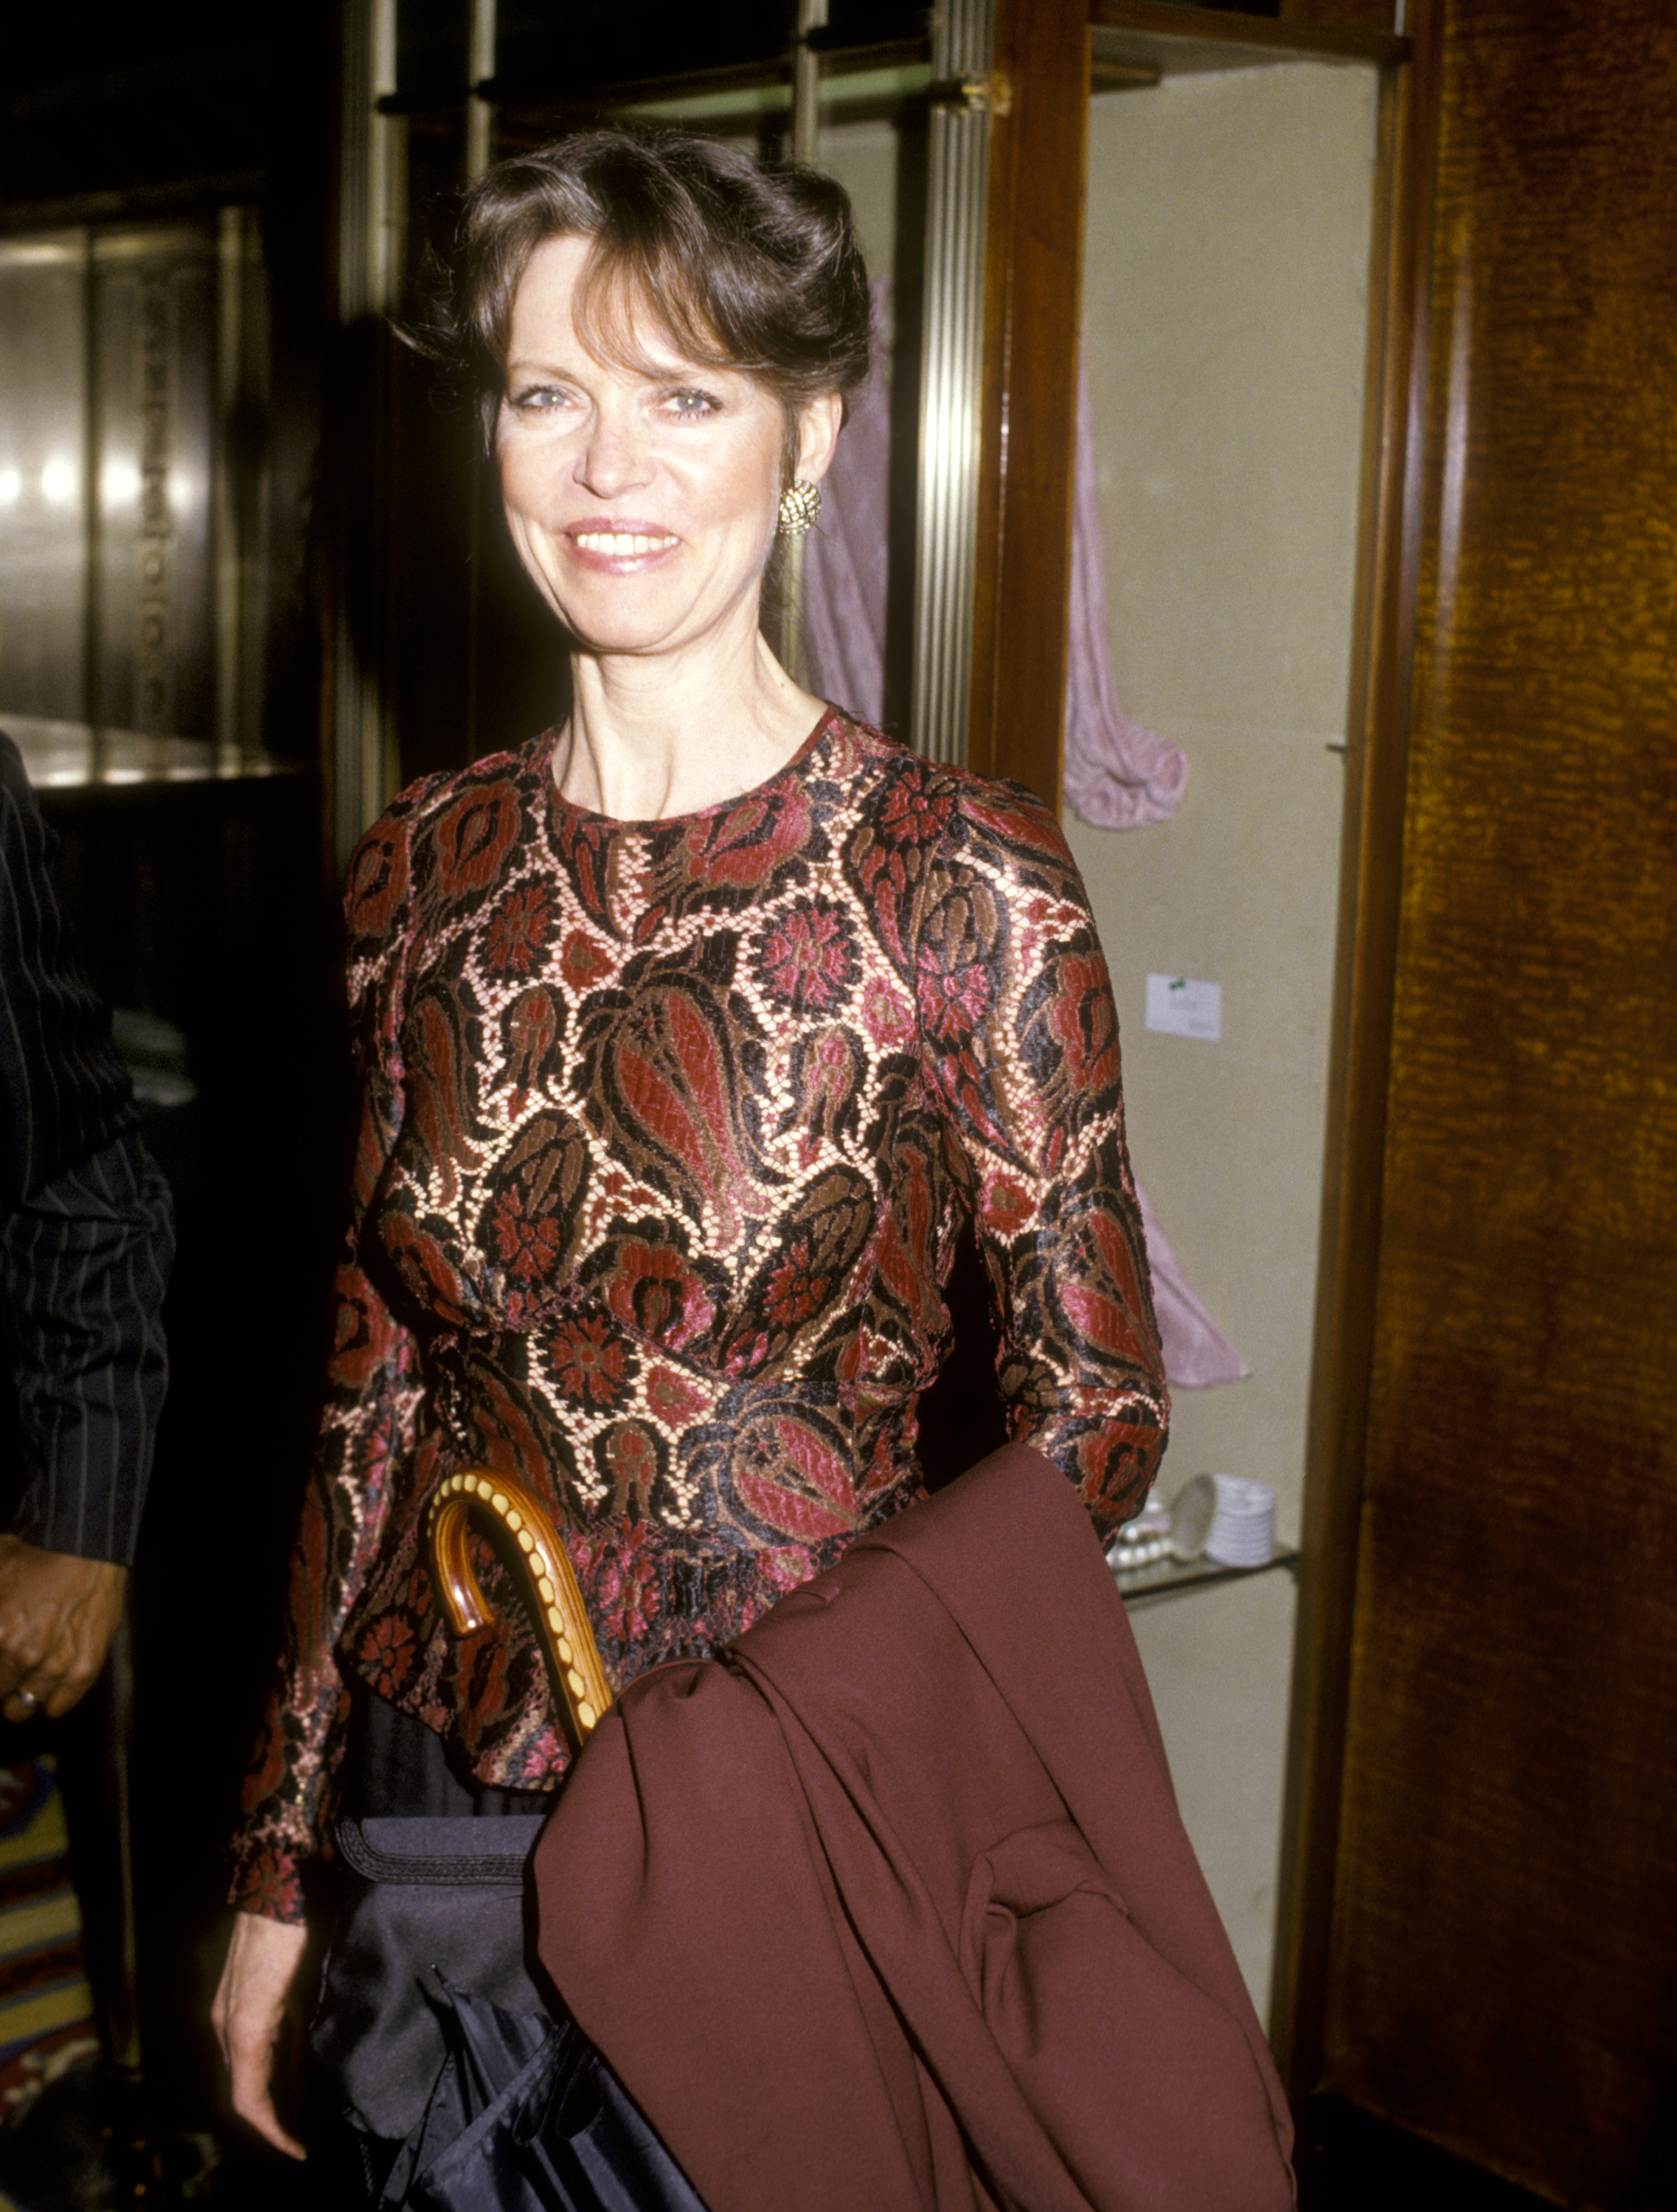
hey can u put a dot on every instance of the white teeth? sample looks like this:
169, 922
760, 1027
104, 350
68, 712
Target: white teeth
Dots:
617, 544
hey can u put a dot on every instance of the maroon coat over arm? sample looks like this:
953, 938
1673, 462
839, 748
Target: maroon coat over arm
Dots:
891, 1907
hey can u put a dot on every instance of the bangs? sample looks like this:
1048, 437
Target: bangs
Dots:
628, 293
691, 246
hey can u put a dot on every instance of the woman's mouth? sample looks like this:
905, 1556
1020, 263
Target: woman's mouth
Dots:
621, 544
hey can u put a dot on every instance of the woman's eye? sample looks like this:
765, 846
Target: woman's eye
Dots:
690, 406
539, 399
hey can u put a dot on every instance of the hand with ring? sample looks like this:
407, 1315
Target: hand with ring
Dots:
58, 1615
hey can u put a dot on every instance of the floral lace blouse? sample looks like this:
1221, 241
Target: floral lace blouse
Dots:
668, 1130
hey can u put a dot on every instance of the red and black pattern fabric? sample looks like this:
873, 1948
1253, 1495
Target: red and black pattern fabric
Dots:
669, 1129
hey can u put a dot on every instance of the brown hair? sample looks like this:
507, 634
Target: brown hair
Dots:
744, 267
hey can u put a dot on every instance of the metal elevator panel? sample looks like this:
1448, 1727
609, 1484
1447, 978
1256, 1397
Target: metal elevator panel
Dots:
152, 298
131, 514
44, 544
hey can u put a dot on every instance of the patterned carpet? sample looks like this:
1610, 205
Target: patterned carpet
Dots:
46, 2023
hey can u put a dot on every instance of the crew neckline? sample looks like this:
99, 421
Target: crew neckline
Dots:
827, 723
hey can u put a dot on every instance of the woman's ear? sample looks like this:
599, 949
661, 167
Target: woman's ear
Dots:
819, 428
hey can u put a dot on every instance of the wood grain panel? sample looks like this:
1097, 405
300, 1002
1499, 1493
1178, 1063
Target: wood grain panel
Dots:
1506, 1946
1033, 296
1359, 1073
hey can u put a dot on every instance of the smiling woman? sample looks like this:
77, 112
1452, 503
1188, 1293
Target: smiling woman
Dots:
690, 1036
642, 493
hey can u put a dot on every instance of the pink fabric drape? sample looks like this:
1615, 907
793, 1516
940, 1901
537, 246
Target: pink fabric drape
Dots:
844, 555
1118, 773
1196, 1351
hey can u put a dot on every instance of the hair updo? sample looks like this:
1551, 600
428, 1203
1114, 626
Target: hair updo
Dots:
743, 267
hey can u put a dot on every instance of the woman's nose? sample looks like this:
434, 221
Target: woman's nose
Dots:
614, 458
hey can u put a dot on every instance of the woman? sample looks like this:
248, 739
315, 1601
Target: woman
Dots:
688, 1034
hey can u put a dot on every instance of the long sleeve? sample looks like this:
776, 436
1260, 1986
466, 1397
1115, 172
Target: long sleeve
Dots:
366, 1435
86, 1228
1020, 1036
84, 1264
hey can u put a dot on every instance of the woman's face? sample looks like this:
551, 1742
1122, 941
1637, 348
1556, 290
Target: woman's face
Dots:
642, 504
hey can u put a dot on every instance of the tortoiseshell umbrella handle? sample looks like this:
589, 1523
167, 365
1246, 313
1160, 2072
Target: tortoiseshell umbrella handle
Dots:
561, 1622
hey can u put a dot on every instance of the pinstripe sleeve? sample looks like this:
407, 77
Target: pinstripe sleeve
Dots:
64, 1094
86, 1234
83, 1266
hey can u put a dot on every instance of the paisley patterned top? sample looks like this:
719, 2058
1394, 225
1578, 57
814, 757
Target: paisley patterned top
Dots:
668, 1129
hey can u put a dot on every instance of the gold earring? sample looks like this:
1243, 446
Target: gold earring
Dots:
800, 504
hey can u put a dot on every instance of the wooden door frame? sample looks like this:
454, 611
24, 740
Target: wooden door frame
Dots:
1040, 91
1371, 874
1033, 301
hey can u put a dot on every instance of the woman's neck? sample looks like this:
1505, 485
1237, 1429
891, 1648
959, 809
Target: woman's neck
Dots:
654, 736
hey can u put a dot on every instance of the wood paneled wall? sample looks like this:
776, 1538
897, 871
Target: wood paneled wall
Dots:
1504, 1967
1033, 284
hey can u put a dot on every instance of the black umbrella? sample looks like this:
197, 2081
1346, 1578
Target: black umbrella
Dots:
527, 2116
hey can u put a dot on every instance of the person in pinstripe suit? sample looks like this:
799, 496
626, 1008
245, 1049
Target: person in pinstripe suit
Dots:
86, 1240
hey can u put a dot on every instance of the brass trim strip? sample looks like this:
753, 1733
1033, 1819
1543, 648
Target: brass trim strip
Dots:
946, 529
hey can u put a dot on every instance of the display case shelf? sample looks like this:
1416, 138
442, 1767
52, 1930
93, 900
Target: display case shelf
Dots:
1163, 1578
62, 756
1140, 41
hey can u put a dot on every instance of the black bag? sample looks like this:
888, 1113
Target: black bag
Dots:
416, 1896
453, 2059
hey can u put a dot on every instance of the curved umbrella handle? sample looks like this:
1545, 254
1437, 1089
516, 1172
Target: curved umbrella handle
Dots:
560, 1617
